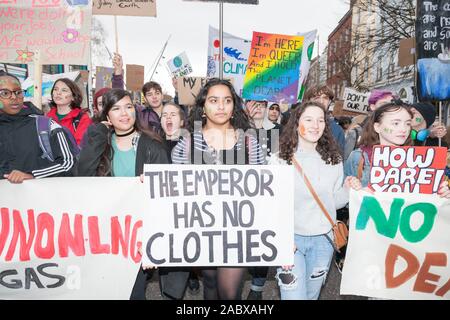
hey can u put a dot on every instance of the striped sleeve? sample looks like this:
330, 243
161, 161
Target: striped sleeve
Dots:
179, 152
256, 155
64, 159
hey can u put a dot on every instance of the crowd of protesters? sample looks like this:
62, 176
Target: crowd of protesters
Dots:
122, 136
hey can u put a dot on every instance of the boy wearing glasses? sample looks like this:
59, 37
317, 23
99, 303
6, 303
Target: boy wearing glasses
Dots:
21, 156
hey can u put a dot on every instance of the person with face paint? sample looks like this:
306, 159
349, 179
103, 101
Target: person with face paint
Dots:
425, 130
20, 152
118, 147
308, 144
65, 108
216, 139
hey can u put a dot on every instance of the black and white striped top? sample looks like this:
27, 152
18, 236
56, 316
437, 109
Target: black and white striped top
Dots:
204, 154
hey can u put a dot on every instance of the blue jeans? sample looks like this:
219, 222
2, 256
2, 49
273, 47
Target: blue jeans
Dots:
311, 264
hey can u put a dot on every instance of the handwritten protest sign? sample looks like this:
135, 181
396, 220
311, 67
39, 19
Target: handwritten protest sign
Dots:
189, 87
398, 246
70, 247
407, 169
235, 57
219, 215
145, 8
180, 65
273, 68
135, 77
103, 77
433, 49
59, 30
356, 101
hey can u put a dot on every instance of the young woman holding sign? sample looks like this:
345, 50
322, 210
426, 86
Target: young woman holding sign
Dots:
307, 142
117, 147
66, 110
217, 140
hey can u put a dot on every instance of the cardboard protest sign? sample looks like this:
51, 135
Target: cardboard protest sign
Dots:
210, 215
398, 246
235, 57
70, 247
180, 65
356, 101
273, 68
103, 77
189, 87
145, 8
135, 77
59, 30
407, 169
433, 49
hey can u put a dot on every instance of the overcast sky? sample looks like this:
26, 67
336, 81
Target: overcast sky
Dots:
142, 38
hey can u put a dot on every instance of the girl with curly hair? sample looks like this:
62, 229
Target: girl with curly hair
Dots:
307, 141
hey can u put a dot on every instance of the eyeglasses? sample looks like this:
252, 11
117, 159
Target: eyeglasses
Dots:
6, 94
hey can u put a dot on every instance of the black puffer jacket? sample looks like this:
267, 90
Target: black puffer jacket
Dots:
20, 150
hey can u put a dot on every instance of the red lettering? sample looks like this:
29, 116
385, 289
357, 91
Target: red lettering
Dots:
19, 231
68, 239
393, 253
134, 248
431, 259
117, 235
45, 223
4, 232
94, 237
443, 291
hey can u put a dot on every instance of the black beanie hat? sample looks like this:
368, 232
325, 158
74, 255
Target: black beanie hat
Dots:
427, 110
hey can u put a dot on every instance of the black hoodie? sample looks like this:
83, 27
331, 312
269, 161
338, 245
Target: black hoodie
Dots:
20, 150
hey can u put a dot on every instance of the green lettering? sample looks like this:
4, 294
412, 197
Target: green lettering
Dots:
429, 212
370, 208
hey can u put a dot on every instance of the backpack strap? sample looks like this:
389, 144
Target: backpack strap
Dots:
43, 132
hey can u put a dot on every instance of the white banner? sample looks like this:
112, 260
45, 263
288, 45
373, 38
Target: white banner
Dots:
180, 65
235, 56
70, 238
356, 101
219, 215
398, 246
